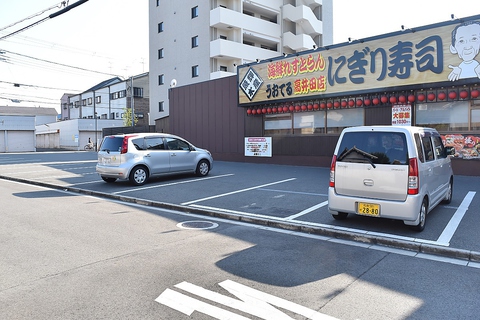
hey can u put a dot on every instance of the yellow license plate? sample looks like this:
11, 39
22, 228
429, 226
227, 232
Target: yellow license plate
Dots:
369, 209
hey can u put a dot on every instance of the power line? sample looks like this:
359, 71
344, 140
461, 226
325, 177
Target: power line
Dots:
59, 5
35, 86
59, 64
53, 15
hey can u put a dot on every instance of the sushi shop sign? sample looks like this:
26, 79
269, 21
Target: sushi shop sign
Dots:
434, 54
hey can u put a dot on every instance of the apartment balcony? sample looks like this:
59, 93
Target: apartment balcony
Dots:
230, 50
313, 3
299, 42
226, 19
304, 17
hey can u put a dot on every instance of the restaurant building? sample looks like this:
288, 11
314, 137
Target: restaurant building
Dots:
294, 107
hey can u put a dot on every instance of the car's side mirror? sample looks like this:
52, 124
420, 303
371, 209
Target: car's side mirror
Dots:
450, 151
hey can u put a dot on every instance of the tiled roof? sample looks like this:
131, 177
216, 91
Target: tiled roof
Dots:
28, 111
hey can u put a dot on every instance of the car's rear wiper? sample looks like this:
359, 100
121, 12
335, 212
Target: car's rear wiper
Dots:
367, 155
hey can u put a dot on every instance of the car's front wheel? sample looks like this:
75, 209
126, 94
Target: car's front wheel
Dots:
448, 196
138, 175
203, 168
340, 216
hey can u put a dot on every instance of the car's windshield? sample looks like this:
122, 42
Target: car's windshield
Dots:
378, 147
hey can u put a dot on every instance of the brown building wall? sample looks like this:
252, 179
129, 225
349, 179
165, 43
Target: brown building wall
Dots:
207, 114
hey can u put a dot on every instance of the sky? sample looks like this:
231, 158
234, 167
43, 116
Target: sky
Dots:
101, 39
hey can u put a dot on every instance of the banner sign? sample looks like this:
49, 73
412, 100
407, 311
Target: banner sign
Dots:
258, 147
466, 146
402, 115
438, 53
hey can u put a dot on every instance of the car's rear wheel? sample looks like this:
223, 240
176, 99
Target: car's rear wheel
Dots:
340, 216
109, 180
203, 167
138, 175
448, 196
422, 216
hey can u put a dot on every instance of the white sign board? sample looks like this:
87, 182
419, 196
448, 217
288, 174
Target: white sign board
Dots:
258, 147
402, 115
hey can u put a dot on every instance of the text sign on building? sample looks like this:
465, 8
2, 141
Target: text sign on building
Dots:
258, 147
402, 115
434, 54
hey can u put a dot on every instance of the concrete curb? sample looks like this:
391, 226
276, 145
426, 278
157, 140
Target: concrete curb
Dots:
448, 252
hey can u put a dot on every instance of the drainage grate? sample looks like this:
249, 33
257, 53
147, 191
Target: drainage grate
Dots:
202, 225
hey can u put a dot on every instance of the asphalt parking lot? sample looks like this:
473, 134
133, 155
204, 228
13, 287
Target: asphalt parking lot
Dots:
287, 196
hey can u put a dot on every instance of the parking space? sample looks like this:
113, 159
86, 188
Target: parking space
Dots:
281, 193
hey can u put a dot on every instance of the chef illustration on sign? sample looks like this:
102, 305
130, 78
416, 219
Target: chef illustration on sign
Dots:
465, 43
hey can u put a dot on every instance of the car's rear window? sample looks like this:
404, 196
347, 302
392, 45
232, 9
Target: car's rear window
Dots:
377, 147
112, 144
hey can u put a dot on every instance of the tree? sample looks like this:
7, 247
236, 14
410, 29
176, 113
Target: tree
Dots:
127, 117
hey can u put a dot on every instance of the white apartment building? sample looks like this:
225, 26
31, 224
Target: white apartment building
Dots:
198, 40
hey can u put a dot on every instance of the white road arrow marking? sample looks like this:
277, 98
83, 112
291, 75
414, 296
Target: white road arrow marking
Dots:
254, 302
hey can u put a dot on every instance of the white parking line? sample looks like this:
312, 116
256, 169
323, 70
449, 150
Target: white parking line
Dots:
238, 191
308, 210
452, 225
174, 183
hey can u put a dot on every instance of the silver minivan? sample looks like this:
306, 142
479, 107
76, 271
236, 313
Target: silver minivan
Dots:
396, 172
138, 156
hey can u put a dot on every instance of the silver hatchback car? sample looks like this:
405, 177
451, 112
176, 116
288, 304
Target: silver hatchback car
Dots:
139, 156
390, 172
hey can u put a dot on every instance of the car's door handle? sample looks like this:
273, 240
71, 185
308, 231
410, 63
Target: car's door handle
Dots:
147, 155
173, 154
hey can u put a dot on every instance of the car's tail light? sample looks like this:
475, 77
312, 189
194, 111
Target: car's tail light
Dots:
332, 171
124, 145
413, 178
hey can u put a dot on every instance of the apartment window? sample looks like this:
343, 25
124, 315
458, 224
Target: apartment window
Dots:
160, 53
160, 27
90, 101
158, 3
161, 79
195, 71
98, 99
223, 37
248, 43
160, 106
122, 94
70, 105
76, 104
84, 102
195, 42
138, 92
223, 68
194, 12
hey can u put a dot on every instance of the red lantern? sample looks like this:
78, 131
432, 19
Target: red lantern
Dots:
411, 98
452, 95
285, 109
393, 99
376, 101
464, 94
291, 108
329, 105
274, 110
310, 106
475, 93
254, 111
264, 110
421, 97
315, 106
336, 104
297, 108
442, 96
303, 107
384, 99
402, 99
260, 111
367, 102
323, 105
431, 96
249, 111
359, 102
269, 110
344, 103
351, 103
